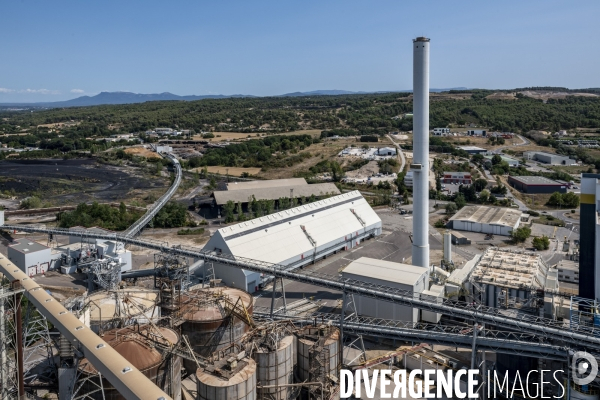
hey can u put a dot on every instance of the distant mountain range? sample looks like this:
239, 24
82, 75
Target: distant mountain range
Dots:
130, 98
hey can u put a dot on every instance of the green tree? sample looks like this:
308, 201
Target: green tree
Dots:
496, 159
451, 208
484, 196
521, 234
556, 199
460, 201
438, 183
480, 184
228, 211
541, 243
30, 203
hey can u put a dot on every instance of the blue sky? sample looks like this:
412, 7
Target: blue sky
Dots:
55, 50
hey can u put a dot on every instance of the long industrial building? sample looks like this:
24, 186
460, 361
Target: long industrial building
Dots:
536, 184
294, 237
494, 220
549, 158
242, 192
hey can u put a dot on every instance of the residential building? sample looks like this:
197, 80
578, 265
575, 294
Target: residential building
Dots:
441, 131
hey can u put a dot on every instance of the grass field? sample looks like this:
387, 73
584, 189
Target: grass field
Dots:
142, 152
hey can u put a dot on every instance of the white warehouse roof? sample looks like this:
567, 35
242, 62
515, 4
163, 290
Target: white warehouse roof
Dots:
287, 236
488, 215
386, 270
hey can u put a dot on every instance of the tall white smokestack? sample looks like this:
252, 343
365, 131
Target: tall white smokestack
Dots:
420, 165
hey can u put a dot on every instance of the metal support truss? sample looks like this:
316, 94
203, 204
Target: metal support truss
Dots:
38, 357
151, 213
105, 273
9, 351
274, 299
87, 381
456, 336
577, 337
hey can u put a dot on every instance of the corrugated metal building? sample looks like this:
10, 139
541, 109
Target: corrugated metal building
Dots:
31, 257
536, 184
549, 158
494, 220
406, 277
295, 237
274, 192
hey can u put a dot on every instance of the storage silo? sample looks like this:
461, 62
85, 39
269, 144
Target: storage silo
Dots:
318, 356
140, 346
208, 321
232, 377
275, 367
118, 308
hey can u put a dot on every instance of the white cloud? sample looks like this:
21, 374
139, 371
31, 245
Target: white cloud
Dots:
39, 91
5, 90
77, 91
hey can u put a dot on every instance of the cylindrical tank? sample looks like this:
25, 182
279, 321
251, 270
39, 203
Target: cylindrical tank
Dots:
136, 344
309, 341
241, 386
275, 368
205, 325
115, 309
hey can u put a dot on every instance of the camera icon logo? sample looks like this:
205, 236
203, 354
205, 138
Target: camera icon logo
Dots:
584, 368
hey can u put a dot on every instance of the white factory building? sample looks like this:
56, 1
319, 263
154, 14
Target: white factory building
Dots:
409, 278
295, 237
31, 257
385, 151
34, 258
506, 278
494, 220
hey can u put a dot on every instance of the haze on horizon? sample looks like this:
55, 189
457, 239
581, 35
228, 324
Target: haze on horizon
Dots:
58, 51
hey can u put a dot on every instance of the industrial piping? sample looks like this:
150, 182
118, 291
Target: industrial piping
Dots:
420, 165
533, 324
127, 379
